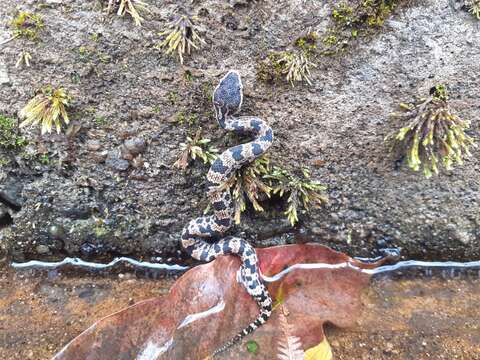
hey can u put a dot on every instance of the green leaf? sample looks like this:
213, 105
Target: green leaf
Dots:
252, 347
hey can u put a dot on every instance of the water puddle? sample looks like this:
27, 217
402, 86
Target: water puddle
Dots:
77, 262
412, 309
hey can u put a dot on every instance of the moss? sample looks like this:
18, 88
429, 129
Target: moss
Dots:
101, 121
48, 108
259, 180
248, 184
433, 136
184, 118
292, 66
173, 97
131, 7
9, 138
299, 190
180, 37
473, 7
352, 21
26, 25
307, 42
44, 159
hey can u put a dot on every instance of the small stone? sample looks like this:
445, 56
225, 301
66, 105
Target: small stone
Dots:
99, 157
42, 249
115, 163
388, 348
335, 344
135, 146
125, 154
138, 162
56, 231
4, 78
93, 145
11, 195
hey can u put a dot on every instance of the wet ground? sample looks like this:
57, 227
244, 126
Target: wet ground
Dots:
409, 317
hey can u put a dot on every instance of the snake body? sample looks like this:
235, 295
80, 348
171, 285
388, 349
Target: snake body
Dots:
203, 238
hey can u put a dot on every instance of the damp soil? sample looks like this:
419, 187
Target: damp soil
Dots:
431, 317
85, 195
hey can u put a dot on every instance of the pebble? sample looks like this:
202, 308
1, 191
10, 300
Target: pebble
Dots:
93, 145
42, 249
135, 146
115, 163
56, 231
4, 78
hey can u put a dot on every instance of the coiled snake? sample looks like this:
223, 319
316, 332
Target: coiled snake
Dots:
197, 237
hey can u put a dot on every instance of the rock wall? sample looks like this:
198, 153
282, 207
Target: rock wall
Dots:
111, 188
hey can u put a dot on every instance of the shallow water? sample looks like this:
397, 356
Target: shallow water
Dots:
412, 310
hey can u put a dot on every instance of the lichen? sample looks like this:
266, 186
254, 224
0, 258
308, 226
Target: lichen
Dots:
433, 136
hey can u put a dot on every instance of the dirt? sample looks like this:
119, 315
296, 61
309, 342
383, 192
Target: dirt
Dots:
402, 318
77, 196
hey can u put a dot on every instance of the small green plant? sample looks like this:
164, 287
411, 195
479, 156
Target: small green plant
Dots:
23, 58
433, 136
294, 66
351, 22
186, 118
300, 190
252, 347
85, 53
248, 183
130, 7
44, 159
9, 138
173, 97
307, 42
48, 107
101, 121
196, 147
26, 25
473, 7
181, 37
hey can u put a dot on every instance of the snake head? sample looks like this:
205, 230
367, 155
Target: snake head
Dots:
228, 96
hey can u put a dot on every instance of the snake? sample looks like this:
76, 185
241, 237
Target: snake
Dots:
204, 237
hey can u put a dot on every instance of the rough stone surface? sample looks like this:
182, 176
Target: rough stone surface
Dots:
340, 122
4, 78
